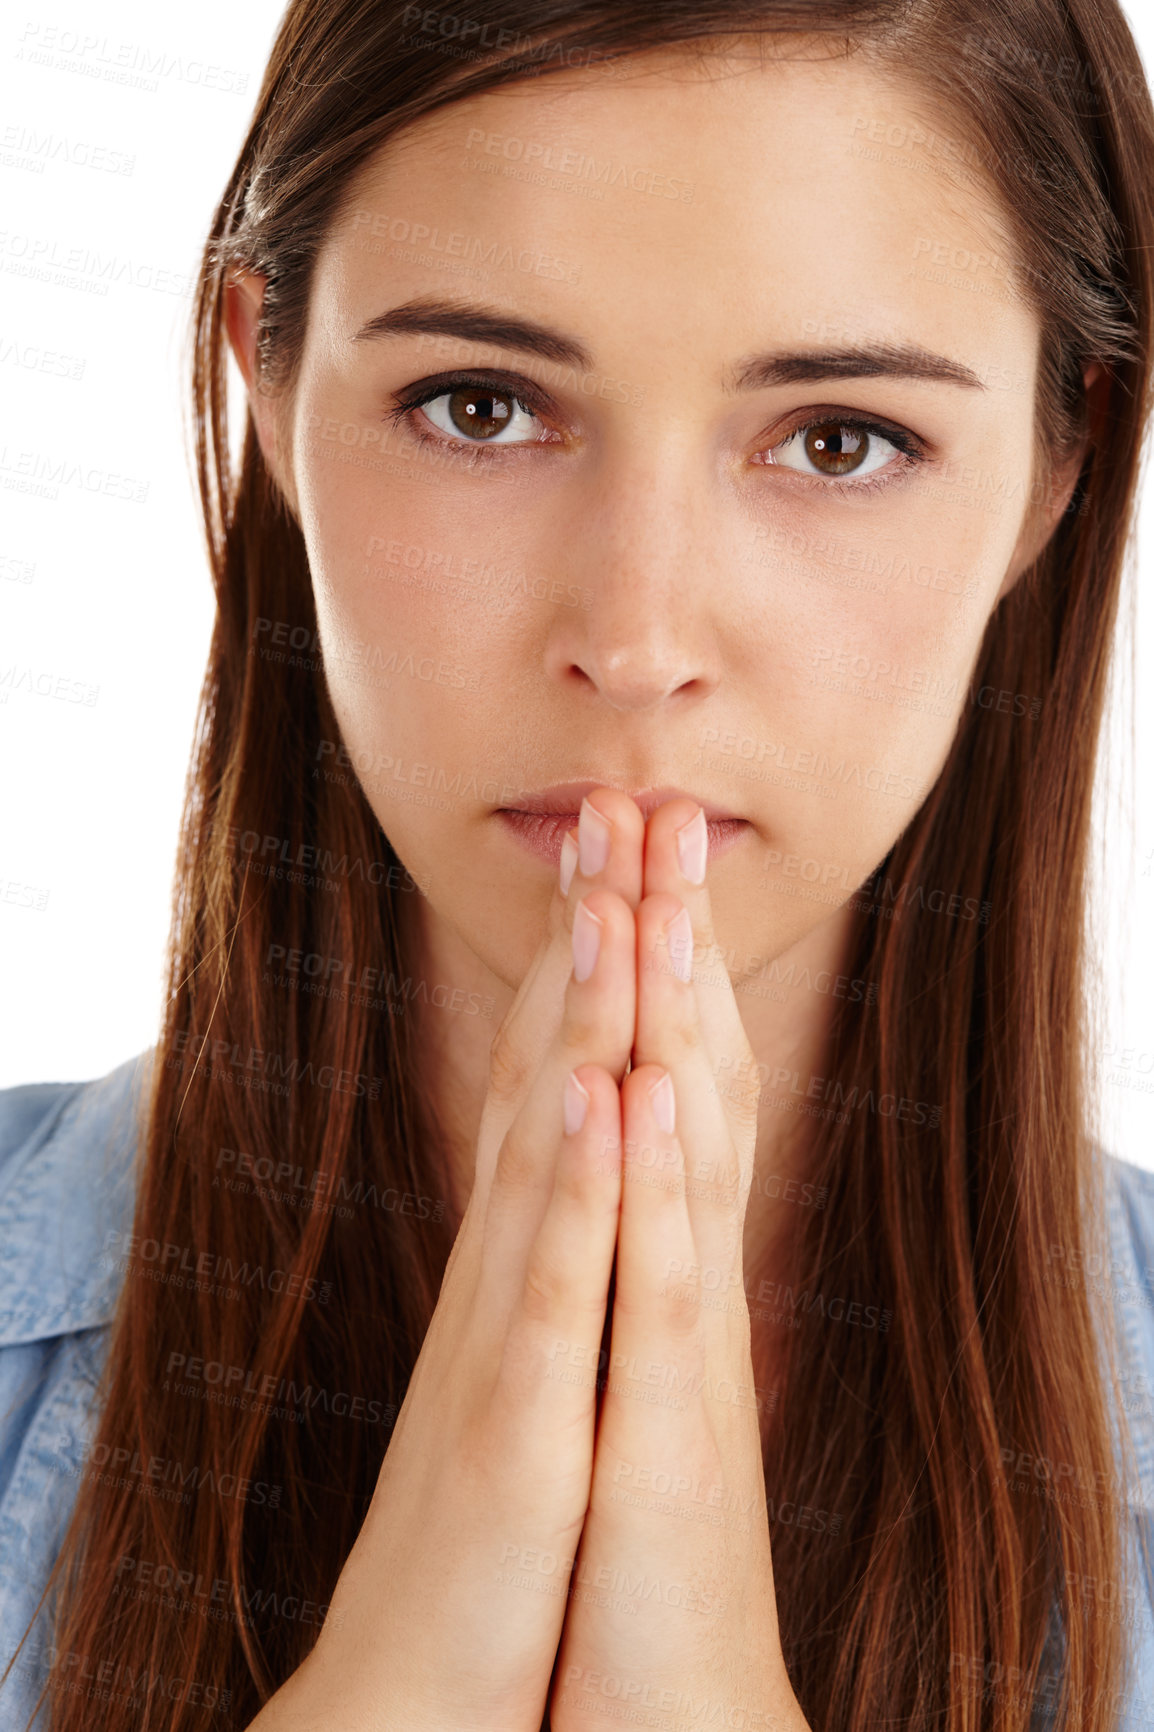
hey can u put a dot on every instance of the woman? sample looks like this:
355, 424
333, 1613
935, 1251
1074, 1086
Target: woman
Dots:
625, 1051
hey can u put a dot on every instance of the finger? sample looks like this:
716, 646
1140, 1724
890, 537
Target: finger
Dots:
611, 831
718, 1134
655, 1233
679, 1293
551, 1359
676, 862
596, 1028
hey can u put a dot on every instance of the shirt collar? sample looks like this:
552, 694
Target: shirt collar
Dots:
1130, 1212
65, 1191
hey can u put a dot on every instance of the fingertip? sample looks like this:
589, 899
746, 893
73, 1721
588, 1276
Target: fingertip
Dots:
575, 1105
590, 1086
569, 857
662, 1103
648, 1089
594, 1090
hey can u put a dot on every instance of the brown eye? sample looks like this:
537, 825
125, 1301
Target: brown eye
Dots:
834, 449
478, 414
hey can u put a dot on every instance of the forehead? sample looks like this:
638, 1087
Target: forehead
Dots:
677, 203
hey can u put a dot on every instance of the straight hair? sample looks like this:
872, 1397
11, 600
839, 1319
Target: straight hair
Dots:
937, 1591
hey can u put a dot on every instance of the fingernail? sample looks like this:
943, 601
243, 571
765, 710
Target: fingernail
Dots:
593, 836
693, 848
568, 862
586, 941
679, 935
576, 1100
661, 1094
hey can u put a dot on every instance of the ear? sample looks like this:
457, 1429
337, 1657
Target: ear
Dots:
1042, 517
243, 299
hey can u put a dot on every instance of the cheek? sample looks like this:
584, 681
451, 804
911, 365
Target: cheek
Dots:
860, 651
391, 589
397, 561
419, 657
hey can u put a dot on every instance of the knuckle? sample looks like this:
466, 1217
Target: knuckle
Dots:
745, 1100
580, 1189
545, 1288
569, 1186
681, 1313
517, 1168
580, 1031
674, 1305
509, 1071
657, 909
478, 1447
683, 1034
679, 1298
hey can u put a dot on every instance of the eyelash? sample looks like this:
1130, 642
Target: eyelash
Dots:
405, 402
911, 449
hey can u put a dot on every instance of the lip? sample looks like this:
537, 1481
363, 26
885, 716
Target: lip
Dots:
567, 797
541, 821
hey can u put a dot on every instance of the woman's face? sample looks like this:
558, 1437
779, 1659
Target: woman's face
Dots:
744, 467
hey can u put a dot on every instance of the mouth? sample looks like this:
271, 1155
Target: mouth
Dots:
540, 822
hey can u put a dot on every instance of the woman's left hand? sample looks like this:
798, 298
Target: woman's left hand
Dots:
672, 1616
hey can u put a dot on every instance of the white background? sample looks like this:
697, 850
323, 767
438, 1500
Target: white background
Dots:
119, 599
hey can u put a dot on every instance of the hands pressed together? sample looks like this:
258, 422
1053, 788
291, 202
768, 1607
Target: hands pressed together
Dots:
523, 1549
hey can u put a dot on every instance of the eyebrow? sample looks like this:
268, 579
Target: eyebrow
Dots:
479, 324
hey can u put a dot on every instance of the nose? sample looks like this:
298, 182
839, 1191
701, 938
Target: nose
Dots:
645, 555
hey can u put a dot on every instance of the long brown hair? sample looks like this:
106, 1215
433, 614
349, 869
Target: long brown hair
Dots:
917, 1574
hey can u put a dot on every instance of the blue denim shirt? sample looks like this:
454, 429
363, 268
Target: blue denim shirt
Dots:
67, 1187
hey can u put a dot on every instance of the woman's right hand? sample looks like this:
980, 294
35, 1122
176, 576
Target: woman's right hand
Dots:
449, 1609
